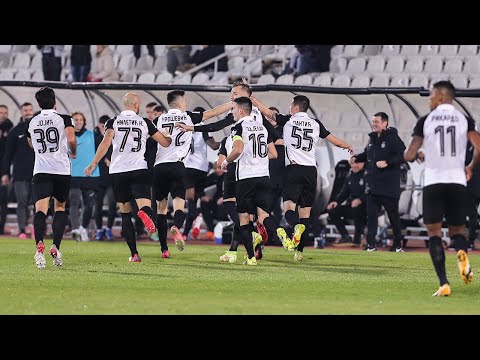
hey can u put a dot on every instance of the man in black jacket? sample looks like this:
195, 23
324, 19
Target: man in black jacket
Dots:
383, 156
5, 126
353, 191
18, 152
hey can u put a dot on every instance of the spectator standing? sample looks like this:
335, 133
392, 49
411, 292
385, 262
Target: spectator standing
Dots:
5, 126
81, 62
177, 55
105, 187
82, 188
473, 191
103, 67
18, 152
383, 156
51, 61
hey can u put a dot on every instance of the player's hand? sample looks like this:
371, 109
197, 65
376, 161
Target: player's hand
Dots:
468, 172
90, 168
245, 81
356, 202
350, 150
382, 164
224, 164
352, 160
184, 127
5, 180
220, 201
420, 157
205, 198
72, 156
332, 205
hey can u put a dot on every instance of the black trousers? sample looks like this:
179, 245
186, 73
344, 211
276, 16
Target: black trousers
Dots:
52, 67
358, 214
390, 204
137, 50
472, 217
3, 207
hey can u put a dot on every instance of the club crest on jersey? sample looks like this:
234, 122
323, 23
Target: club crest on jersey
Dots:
234, 132
383, 145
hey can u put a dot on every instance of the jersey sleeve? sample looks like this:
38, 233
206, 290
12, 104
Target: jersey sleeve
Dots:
282, 119
27, 132
109, 124
471, 124
237, 132
206, 136
196, 116
216, 126
418, 129
152, 129
223, 149
272, 133
323, 131
67, 120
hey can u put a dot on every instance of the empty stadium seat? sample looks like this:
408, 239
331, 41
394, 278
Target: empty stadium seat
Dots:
474, 83
233, 50
453, 66
361, 81
352, 50
144, 64
254, 68
395, 64
324, 80
266, 79
37, 75
419, 80
124, 49
336, 51
305, 79
183, 79
376, 64
4, 49
128, 76
410, 50
20, 48
380, 80
356, 65
164, 78
448, 50
428, 50
369, 50
414, 64
160, 64
7, 74
160, 50
436, 78
146, 78
433, 65
388, 50
472, 65
400, 80
21, 61
460, 81
467, 50
36, 63
200, 79
220, 78
23, 74
126, 63
338, 65
286, 79
340, 81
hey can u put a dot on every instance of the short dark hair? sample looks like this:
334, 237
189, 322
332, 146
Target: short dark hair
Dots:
173, 96
382, 116
302, 101
274, 109
245, 103
4, 106
103, 119
160, 108
151, 104
445, 85
199, 109
45, 98
25, 104
244, 86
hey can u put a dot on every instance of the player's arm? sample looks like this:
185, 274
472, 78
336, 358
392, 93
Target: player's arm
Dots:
156, 135
217, 111
71, 141
216, 126
416, 141
101, 151
210, 141
332, 139
264, 108
272, 137
222, 153
237, 150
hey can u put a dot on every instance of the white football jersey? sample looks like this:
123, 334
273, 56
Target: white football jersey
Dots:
300, 134
49, 141
197, 158
253, 162
444, 133
180, 145
129, 143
